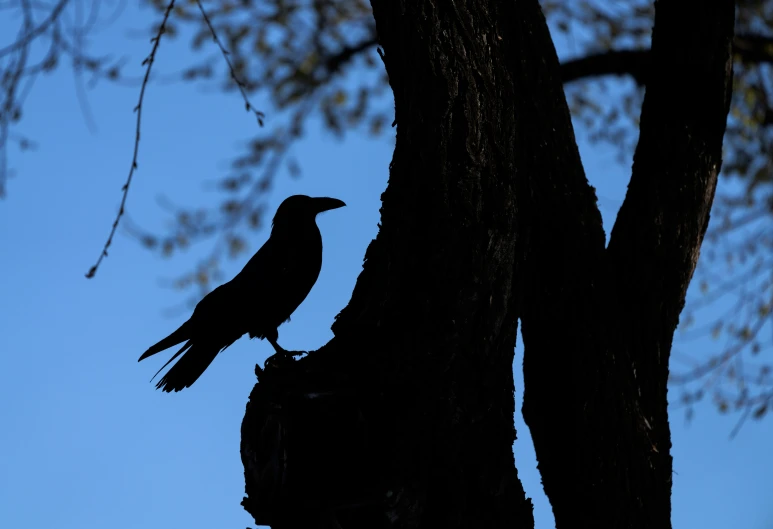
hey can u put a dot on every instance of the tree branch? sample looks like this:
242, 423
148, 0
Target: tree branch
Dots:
346, 54
148, 62
32, 33
656, 239
10, 108
750, 48
615, 62
239, 83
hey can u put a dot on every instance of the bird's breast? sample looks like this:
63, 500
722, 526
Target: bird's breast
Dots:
282, 278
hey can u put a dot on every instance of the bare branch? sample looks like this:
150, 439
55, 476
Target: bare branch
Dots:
247, 105
635, 62
346, 54
149, 63
754, 48
726, 355
614, 62
10, 110
32, 33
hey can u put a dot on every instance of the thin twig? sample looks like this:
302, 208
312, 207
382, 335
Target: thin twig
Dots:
728, 354
32, 33
737, 427
347, 53
138, 109
247, 105
80, 90
10, 106
729, 286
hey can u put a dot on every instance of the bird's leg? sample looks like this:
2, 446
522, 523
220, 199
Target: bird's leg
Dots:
272, 337
278, 348
282, 356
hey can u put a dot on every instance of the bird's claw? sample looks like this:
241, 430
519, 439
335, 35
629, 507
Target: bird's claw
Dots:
283, 358
284, 353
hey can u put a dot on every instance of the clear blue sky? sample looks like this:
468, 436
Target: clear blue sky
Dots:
86, 441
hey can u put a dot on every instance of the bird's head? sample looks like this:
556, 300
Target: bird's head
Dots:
302, 209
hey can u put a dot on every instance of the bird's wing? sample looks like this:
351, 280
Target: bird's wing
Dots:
216, 306
275, 281
210, 311
266, 274
265, 263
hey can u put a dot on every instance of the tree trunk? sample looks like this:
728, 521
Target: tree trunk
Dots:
600, 426
405, 419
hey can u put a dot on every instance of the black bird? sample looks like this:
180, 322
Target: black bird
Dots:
258, 300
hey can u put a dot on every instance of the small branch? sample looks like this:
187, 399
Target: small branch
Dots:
726, 355
725, 287
9, 108
138, 109
635, 62
334, 62
247, 105
754, 48
33, 33
737, 427
615, 62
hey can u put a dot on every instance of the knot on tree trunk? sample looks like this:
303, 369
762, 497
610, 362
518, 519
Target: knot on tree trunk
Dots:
313, 445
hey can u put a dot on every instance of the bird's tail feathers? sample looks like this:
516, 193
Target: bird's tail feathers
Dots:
189, 368
178, 353
178, 336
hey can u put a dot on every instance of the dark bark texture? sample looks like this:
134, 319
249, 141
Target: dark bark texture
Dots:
601, 427
405, 419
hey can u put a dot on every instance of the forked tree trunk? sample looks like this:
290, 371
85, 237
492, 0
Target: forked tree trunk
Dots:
405, 419
596, 369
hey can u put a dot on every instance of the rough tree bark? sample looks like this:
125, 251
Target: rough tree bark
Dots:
618, 314
405, 419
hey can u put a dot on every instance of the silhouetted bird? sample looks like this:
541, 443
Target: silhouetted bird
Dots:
258, 300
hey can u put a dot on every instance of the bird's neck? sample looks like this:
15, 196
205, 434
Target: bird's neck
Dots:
300, 231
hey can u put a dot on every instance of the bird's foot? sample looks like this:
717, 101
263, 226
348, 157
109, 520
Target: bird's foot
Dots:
283, 358
281, 350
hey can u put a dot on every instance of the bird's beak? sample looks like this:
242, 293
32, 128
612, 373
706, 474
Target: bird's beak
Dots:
324, 203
